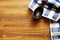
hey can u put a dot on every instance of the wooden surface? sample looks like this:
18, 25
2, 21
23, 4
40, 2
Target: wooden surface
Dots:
16, 22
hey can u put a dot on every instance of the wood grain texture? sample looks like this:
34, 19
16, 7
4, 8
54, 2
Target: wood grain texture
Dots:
16, 22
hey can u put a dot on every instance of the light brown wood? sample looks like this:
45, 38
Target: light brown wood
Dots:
16, 22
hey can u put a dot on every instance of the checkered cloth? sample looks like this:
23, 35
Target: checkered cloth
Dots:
55, 30
50, 14
34, 4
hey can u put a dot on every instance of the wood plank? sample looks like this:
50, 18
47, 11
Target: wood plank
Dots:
16, 22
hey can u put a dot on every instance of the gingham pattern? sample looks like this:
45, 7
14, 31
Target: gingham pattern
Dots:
34, 4
56, 2
55, 30
50, 14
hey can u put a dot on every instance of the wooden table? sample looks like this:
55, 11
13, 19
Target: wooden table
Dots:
16, 22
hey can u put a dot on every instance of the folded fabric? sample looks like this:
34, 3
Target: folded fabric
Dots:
55, 30
50, 14
34, 4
